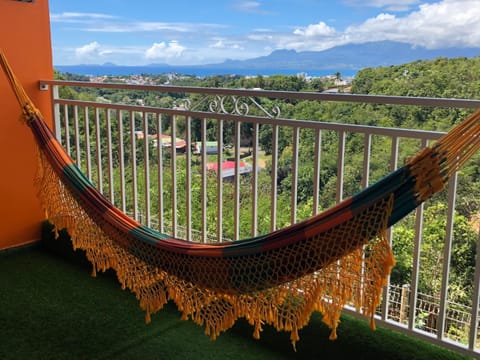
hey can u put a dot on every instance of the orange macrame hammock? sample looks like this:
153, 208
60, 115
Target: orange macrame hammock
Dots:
339, 257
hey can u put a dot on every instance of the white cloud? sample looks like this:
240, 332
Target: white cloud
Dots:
95, 52
262, 37
446, 23
219, 44
97, 22
390, 5
321, 29
111, 24
443, 24
226, 45
120, 27
164, 51
88, 51
251, 7
76, 16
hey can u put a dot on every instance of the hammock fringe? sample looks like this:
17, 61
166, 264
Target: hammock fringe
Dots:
351, 280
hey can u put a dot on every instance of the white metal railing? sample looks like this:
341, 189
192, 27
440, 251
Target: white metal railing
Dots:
163, 185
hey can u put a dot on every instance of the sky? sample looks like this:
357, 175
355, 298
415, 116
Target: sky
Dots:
193, 32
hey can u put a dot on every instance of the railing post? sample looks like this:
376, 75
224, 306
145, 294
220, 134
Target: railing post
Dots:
56, 114
452, 190
404, 303
473, 333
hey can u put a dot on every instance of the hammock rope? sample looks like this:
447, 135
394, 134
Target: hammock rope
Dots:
341, 256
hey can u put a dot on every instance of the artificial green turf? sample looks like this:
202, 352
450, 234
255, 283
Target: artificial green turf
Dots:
51, 308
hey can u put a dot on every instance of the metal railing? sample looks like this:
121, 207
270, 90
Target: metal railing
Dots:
140, 157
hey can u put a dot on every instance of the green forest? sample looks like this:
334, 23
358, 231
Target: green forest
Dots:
443, 78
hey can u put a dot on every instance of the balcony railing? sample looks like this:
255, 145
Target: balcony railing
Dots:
221, 164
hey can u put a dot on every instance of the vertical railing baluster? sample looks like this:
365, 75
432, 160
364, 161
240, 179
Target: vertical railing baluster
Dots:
417, 247
98, 140
161, 218
394, 158
236, 209
367, 147
474, 318
204, 196
316, 170
110, 155
220, 180
340, 166
173, 169
78, 157
294, 175
66, 125
56, 113
188, 177
274, 176
146, 168
256, 130
88, 152
121, 160
294, 190
133, 164
447, 250
393, 166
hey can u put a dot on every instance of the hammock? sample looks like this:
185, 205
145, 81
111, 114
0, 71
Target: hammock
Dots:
341, 256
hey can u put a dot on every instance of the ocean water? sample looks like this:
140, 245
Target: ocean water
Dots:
118, 70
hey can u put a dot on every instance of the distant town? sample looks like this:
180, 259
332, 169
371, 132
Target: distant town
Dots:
336, 82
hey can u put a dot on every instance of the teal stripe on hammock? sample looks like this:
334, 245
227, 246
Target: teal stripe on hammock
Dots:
401, 183
148, 234
403, 205
382, 187
77, 178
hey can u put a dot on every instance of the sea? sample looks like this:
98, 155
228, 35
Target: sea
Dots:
119, 70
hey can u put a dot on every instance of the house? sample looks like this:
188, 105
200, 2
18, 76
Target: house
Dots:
166, 140
228, 169
211, 147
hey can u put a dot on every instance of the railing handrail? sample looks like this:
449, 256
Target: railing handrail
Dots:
368, 129
274, 94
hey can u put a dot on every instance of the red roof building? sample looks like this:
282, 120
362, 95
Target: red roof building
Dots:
228, 168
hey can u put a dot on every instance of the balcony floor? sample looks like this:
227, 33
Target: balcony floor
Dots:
51, 308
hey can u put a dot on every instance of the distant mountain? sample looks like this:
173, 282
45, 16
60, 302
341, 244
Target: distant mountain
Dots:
347, 57
159, 65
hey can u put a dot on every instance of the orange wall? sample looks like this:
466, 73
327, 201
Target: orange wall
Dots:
25, 40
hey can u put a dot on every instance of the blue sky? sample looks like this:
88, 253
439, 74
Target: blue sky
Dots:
186, 32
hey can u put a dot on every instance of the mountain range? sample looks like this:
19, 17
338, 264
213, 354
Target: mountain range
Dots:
348, 57
345, 59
